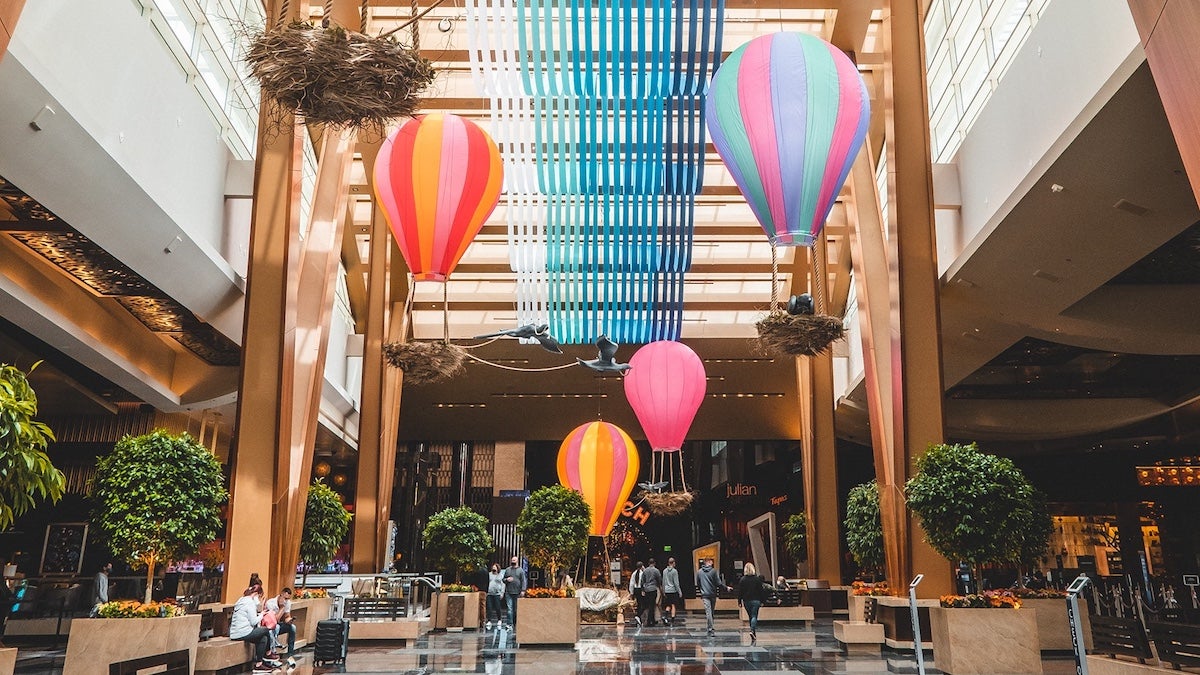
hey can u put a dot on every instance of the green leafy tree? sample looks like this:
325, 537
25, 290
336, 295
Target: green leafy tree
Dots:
1035, 527
972, 505
158, 498
326, 522
459, 538
25, 467
553, 528
864, 529
795, 536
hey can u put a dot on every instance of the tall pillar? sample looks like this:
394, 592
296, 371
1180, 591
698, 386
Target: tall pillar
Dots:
289, 304
819, 447
915, 344
1168, 29
10, 11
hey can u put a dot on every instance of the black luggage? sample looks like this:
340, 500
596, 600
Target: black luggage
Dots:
333, 640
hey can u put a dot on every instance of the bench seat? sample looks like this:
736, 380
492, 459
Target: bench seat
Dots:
222, 654
859, 636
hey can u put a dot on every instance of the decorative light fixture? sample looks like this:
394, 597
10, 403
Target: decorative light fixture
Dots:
321, 469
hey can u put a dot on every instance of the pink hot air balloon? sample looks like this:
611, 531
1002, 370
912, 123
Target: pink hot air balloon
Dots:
665, 386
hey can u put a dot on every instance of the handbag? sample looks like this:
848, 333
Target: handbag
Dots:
269, 620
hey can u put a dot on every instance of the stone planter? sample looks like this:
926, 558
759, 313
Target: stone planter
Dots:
548, 621
985, 641
456, 611
96, 644
8, 660
894, 614
307, 613
857, 604
1054, 631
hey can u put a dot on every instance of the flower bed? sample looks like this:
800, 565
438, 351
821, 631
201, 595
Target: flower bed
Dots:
550, 593
132, 609
458, 588
310, 593
985, 600
876, 589
1041, 594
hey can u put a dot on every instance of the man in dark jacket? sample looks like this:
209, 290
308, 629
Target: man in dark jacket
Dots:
708, 585
514, 586
651, 582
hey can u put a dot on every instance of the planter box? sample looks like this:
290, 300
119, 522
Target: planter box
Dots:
548, 621
986, 641
858, 604
8, 660
456, 611
95, 644
1054, 631
896, 618
307, 613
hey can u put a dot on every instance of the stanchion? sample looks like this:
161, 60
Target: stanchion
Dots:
916, 622
1073, 592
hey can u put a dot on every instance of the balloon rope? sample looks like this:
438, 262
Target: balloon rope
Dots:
774, 277
446, 311
408, 306
519, 370
362, 28
416, 28
819, 279
327, 14
481, 344
413, 20
283, 13
682, 473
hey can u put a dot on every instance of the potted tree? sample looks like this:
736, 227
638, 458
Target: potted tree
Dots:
326, 522
553, 528
158, 498
972, 506
28, 473
457, 538
795, 541
864, 540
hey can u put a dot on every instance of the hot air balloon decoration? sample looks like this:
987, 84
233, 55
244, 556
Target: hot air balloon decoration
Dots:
788, 113
599, 460
665, 387
437, 178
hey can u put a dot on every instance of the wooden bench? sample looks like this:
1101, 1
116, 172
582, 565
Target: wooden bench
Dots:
1177, 643
1115, 637
224, 655
374, 609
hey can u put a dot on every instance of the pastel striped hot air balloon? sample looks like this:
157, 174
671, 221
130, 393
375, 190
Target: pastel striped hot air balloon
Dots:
665, 387
599, 460
438, 179
788, 113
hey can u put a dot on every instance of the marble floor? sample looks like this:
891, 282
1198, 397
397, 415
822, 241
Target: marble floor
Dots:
608, 650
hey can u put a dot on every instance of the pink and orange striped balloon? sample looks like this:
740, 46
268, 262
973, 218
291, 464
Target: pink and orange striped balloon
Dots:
600, 461
438, 178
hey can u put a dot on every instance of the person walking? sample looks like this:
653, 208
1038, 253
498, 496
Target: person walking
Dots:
100, 590
708, 585
671, 592
495, 596
635, 591
651, 583
514, 586
750, 596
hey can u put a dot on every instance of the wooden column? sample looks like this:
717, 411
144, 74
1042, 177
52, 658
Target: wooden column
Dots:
289, 304
10, 11
1168, 29
819, 447
915, 341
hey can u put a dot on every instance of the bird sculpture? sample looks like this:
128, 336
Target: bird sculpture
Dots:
539, 332
604, 362
653, 487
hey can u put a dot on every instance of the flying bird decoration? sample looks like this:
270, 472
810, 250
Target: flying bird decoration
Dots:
604, 362
539, 332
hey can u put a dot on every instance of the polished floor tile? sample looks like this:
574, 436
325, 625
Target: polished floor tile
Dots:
609, 650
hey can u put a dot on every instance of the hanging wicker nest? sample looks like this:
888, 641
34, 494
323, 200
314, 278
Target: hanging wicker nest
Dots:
798, 334
668, 503
338, 77
425, 362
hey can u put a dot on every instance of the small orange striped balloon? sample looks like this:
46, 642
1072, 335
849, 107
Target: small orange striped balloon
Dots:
599, 460
438, 178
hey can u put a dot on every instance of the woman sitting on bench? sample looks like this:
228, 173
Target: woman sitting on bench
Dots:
246, 625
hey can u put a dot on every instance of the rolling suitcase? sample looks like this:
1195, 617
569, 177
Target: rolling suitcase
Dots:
333, 639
